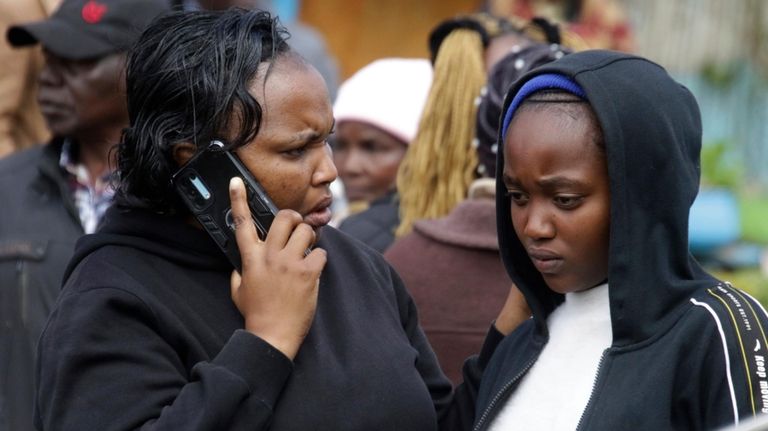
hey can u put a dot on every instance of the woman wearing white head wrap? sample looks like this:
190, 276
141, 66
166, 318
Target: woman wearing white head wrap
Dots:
377, 113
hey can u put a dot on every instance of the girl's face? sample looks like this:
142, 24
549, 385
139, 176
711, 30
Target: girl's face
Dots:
557, 179
290, 156
367, 158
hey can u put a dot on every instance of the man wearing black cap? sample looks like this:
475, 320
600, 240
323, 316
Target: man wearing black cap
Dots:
52, 194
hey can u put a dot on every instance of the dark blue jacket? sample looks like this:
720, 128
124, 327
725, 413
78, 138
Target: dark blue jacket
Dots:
38, 229
376, 225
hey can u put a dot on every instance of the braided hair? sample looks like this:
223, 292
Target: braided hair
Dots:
456, 140
441, 160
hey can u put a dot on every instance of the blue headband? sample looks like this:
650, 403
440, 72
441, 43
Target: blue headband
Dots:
540, 82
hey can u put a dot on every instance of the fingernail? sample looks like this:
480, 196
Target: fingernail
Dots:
234, 183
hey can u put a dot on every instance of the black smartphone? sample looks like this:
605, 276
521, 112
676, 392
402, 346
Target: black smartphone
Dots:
203, 184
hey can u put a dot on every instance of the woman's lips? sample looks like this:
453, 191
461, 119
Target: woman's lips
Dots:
320, 215
545, 261
319, 218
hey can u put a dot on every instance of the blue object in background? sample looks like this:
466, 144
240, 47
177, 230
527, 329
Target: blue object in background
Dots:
287, 10
714, 221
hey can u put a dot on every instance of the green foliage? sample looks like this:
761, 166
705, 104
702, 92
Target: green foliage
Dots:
751, 280
719, 75
719, 168
754, 218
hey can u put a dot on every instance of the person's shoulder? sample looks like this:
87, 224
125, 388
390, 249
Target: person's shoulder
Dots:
112, 277
21, 161
731, 315
345, 250
374, 226
358, 224
376, 217
105, 266
728, 329
338, 241
408, 247
18, 172
723, 301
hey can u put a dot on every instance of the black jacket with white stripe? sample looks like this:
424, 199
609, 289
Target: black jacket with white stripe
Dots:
689, 351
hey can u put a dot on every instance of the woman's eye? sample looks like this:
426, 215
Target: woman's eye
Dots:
517, 197
369, 146
296, 152
567, 202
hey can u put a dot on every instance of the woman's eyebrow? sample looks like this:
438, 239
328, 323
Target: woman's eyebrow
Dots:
311, 135
558, 181
306, 137
509, 181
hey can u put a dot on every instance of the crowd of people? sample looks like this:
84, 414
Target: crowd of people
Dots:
513, 251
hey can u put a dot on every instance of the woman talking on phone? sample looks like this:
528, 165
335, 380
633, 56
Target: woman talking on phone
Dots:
153, 328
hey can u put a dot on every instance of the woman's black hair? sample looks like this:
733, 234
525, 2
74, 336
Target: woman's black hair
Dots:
188, 81
564, 102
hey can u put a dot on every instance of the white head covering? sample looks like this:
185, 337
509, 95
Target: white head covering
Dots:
389, 93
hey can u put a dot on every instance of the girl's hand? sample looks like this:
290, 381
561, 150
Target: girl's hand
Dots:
514, 312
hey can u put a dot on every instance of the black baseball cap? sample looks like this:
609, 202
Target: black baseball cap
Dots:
86, 29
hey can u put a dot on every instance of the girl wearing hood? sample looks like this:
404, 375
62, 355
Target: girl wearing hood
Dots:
598, 169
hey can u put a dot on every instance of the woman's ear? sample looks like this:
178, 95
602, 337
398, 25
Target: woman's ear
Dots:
182, 152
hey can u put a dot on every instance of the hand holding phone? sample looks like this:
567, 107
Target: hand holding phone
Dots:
203, 184
277, 291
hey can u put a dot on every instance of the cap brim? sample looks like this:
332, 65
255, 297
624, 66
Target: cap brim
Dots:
19, 36
59, 38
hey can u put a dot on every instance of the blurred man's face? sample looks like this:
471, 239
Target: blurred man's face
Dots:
79, 98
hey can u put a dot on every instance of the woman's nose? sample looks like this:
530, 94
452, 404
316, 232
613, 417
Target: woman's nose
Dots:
538, 224
326, 171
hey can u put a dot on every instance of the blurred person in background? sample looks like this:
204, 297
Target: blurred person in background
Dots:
452, 264
54, 193
601, 24
377, 113
21, 123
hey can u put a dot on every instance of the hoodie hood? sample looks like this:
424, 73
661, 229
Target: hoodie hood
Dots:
652, 132
168, 237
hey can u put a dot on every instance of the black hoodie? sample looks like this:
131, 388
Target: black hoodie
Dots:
688, 351
145, 335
